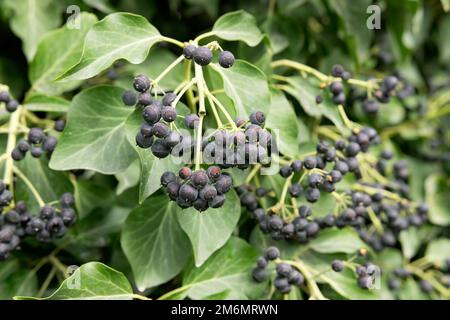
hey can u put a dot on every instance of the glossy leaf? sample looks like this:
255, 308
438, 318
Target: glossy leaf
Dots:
117, 36
154, 243
210, 230
94, 137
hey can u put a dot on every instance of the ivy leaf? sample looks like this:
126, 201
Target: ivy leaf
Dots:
305, 92
337, 240
438, 251
45, 103
95, 135
91, 281
227, 269
15, 280
412, 238
154, 243
436, 190
238, 26
210, 230
353, 16
128, 178
57, 52
247, 86
410, 290
283, 122
118, 36
51, 184
90, 195
31, 20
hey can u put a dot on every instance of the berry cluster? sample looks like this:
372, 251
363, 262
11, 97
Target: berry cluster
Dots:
37, 143
203, 56
252, 144
51, 223
366, 274
155, 132
400, 274
10, 103
286, 275
199, 189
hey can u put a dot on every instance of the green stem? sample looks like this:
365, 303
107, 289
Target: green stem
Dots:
314, 290
300, 67
252, 173
214, 110
10, 145
187, 77
223, 109
168, 69
47, 282
173, 41
183, 90
204, 35
175, 291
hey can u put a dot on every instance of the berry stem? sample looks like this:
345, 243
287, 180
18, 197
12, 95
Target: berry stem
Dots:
173, 41
314, 290
47, 282
29, 185
214, 110
203, 36
286, 185
300, 67
189, 94
167, 295
252, 173
223, 109
375, 221
344, 117
183, 90
201, 113
167, 70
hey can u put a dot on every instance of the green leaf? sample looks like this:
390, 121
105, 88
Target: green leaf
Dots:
95, 135
154, 243
15, 280
31, 20
438, 251
337, 240
57, 52
227, 269
238, 25
44, 103
50, 184
436, 190
117, 36
210, 230
283, 122
91, 281
410, 242
353, 16
90, 195
246, 85
128, 178
305, 92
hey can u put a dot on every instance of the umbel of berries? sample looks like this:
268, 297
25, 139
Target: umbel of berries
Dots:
203, 56
52, 223
37, 143
199, 189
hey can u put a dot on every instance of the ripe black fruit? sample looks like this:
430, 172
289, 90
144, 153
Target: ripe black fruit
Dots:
37, 152
160, 130
144, 141
226, 59
160, 149
59, 125
202, 56
272, 253
310, 162
145, 99
188, 51
169, 98
257, 118
337, 265
129, 98
217, 201
169, 114
141, 83
199, 179
12, 105
17, 155
167, 177
35, 135
151, 113
191, 121
188, 193
49, 144
224, 184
